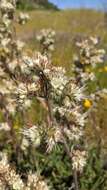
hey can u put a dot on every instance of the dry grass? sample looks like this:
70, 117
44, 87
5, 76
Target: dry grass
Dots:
68, 24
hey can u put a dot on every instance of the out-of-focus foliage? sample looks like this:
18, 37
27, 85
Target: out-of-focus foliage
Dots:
35, 4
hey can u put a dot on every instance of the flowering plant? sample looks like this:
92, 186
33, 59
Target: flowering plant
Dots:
26, 78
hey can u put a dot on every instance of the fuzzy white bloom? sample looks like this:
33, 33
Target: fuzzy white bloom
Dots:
4, 126
87, 76
31, 136
11, 106
9, 178
47, 34
6, 21
62, 110
80, 118
79, 160
5, 41
3, 159
5, 5
36, 182
9, 175
22, 90
58, 79
19, 45
92, 77
96, 59
14, 180
28, 61
38, 60
54, 137
23, 18
46, 39
24, 144
94, 40
27, 103
6, 88
77, 92
74, 133
32, 87
89, 53
24, 64
13, 64
41, 60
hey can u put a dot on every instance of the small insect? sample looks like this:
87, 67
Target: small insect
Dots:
44, 83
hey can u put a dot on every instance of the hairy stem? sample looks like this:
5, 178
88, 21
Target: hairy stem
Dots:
50, 120
75, 176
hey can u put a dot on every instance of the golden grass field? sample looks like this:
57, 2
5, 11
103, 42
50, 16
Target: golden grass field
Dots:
68, 24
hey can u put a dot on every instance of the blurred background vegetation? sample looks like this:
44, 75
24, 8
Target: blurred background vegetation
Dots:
35, 4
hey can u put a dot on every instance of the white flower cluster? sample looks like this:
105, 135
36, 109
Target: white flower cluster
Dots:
88, 58
6, 6
19, 90
37, 60
23, 18
7, 9
79, 160
46, 39
89, 53
74, 133
35, 182
58, 79
4, 127
31, 136
69, 114
72, 97
8, 176
19, 45
10, 179
54, 136
9, 46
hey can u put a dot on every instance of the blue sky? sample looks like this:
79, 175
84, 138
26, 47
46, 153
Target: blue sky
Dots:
79, 3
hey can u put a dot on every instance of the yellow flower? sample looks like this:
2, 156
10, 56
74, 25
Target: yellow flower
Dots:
105, 68
87, 103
